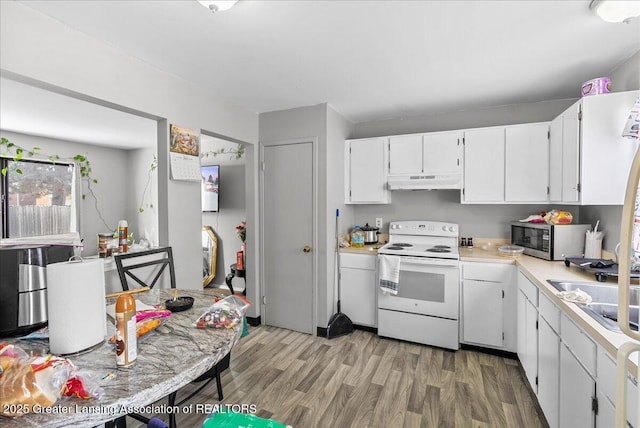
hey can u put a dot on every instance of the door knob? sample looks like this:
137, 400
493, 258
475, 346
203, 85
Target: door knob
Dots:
306, 249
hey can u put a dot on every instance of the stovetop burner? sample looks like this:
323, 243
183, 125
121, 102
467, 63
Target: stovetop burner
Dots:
437, 249
395, 248
442, 246
402, 244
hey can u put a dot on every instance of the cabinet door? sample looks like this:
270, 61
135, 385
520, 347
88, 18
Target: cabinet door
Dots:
358, 295
482, 312
405, 154
605, 156
555, 160
441, 152
531, 345
366, 178
548, 371
528, 339
527, 163
577, 390
571, 154
484, 165
606, 416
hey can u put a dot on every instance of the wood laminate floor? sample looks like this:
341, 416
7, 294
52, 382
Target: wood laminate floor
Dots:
361, 380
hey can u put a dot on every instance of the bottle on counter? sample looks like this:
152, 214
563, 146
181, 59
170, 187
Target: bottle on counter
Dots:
357, 237
123, 233
126, 340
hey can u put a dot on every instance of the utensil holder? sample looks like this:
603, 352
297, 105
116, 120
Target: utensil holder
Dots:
592, 248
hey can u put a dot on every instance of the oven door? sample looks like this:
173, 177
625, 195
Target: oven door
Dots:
427, 286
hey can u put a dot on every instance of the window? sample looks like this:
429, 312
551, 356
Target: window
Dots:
39, 198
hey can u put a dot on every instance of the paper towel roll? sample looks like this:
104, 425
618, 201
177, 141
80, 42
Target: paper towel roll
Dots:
76, 306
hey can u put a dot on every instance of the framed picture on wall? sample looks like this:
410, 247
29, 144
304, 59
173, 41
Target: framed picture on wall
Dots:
210, 187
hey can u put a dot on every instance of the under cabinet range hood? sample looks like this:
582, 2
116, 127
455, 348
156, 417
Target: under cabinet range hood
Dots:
424, 181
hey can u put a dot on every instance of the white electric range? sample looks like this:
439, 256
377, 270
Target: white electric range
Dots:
426, 307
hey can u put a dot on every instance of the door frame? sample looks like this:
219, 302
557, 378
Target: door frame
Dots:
314, 224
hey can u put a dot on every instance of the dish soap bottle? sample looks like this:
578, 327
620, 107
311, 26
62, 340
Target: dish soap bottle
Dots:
357, 237
126, 340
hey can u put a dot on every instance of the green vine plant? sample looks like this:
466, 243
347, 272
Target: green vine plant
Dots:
152, 168
235, 153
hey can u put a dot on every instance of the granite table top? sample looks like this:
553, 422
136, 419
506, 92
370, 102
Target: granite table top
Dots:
168, 359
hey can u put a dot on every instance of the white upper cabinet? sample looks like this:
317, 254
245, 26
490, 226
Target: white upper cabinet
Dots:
506, 164
555, 160
571, 155
435, 153
484, 153
365, 171
595, 157
527, 163
405, 154
442, 152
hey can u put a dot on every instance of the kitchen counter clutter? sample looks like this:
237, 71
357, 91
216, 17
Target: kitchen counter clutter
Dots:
174, 355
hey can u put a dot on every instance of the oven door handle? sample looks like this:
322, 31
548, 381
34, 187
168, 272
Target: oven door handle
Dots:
425, 261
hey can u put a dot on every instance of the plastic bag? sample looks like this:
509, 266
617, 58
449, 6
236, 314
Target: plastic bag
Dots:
226, 313
31, 383
236, 420
558, 217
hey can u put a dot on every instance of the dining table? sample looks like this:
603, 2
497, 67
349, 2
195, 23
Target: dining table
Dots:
169, 358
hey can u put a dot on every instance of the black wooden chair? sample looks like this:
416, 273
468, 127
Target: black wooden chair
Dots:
126, 263
161, 258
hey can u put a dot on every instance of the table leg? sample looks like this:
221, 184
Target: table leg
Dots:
228, 280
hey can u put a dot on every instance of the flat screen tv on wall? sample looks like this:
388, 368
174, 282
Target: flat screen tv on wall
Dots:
210, 187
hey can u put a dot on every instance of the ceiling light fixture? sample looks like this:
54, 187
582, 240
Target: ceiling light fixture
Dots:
218, 5
616, 10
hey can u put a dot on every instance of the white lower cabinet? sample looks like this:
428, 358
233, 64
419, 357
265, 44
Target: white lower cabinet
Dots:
549, 372
359, 288
527, 329
488, 305
577, 389
606, 386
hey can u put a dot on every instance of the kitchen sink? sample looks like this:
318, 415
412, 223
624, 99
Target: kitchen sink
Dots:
604, 306
607, 315
599, 293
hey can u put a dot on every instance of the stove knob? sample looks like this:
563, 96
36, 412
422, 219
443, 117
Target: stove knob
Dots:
444, 228
452, 229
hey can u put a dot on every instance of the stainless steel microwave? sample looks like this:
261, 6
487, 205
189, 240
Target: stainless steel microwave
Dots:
548, 241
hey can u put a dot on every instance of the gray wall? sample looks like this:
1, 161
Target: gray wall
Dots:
39, 50
232, 212
300, 123
338, 129
464, 119
476, 221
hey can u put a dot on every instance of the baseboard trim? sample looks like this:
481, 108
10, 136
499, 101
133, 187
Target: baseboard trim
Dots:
322, 331
373, 330
497, 352
254, 321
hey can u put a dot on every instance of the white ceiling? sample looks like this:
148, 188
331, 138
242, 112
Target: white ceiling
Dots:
370, 60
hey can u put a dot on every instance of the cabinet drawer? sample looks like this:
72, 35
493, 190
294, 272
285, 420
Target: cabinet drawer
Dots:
581, 346
528, 288
492, 272
358, 261
549, 312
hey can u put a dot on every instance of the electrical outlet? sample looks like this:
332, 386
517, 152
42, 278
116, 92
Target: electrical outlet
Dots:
379, 222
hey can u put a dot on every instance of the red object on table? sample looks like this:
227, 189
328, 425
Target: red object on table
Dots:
240, 260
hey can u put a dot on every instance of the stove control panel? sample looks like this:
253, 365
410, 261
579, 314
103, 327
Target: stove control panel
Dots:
423, 228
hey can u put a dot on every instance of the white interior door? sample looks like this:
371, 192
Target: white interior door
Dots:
288, 225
